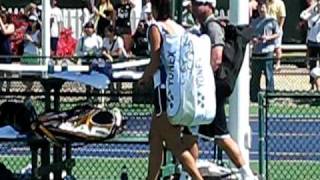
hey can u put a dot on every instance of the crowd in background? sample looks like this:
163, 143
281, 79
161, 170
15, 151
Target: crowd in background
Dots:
107, 32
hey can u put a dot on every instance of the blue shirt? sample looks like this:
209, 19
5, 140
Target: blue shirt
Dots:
264, 26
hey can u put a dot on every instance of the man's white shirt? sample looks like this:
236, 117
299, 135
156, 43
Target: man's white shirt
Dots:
56, 15
89, 45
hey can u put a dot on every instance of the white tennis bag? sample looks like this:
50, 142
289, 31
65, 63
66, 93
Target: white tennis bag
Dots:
190, 80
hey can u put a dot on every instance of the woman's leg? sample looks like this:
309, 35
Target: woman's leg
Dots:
189, 164
194, 150
156, 152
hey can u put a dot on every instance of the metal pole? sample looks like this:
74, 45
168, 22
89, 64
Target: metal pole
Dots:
45, 35
262, 162
173, 9
240, 99
179, 11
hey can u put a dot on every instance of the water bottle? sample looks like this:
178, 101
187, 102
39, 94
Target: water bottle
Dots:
64, 65
50, 66
124, 173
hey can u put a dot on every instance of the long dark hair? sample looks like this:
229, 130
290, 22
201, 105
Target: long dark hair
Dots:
6, 17
163, 8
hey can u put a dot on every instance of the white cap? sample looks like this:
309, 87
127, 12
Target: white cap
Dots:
186, 3
33, 18
212, 2
147, 8
39, 7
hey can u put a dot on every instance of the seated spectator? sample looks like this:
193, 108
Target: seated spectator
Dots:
266, 31
32, 41
89, 44
140, 41
123, 25
113, 46
32, 44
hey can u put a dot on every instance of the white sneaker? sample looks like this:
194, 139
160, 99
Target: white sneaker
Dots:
117, 116
248, 177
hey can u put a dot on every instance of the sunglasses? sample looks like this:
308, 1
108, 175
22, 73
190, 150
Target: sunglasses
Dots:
197, 3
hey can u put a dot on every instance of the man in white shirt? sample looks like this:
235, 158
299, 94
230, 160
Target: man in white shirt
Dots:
91, 43
56, 25
113, 45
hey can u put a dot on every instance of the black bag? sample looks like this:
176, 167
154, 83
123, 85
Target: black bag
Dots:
6, 173
236, 40
19, 115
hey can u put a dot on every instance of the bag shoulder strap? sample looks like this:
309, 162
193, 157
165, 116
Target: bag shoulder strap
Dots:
113, 43
221, 23
82, 42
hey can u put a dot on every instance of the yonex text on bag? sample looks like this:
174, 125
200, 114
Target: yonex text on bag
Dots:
190, 81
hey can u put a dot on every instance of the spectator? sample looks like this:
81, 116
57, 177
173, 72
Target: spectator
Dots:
253, 9
87, 13
204, 12
113, 46
32, 43
104, 5
6, 31
123, 25
31, 10
182, 143
306, 16
187, 17
140, 41
113, 49
312, 15
147, 14
277, 10
89, 44
266, 32
56, 24
21, 24
105, 21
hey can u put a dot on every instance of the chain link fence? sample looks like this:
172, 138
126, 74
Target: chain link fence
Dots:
126, 156
289, 135
108, 160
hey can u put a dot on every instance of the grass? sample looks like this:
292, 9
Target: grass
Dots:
110, 168
98, 168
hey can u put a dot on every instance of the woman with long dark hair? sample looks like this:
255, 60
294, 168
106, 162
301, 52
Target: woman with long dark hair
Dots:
6, 30
182, 144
